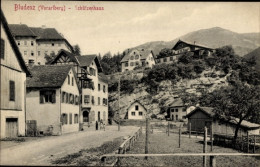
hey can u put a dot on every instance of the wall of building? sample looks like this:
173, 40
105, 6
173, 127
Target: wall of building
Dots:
133, 109
46, 114
178, 113
11, 71
67, 108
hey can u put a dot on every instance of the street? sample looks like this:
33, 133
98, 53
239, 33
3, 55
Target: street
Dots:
42, 150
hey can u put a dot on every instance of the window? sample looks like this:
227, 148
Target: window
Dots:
132, 58
76, 100
171, 58
88, 84
72, 81
104, 101
11, 90
98, 87
63, 97
140, 113
86, 98
137, 63
47, 96
136, 57
64, 119
176, 110
98, 100
132, 64
70, 118
67, 98
126, 64
18, 43
76, 118
25, 53
71, 99
32, 43
176, 117
32, 54
133, 113
39, 53
136, 107
104, 88
183, 110
25, 42
143, 63
92, 71
2, 49
68, 79
93, 100
52, 44
165, 59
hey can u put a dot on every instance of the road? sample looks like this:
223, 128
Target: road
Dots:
43, 150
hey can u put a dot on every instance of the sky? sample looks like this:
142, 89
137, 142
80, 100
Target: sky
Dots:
123, 25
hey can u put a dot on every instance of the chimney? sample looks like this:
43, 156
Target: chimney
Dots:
194, 42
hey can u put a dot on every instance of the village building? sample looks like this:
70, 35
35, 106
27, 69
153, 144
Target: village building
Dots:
36, 42
53, 99
176, 110
204, 116
137, 58
93, 85
13, 76
183, 47
136, 111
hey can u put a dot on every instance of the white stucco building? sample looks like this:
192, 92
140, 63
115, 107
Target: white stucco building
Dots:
13, 75
136, 111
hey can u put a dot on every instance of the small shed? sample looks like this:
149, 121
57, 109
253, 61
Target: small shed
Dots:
136, 111
204, 116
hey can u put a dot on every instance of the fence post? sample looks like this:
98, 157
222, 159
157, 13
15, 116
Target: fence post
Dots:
254, 143
211, 137
212, 161
189, 129
205, 147
180, 137
168, 128
147, 137
247, 142
242, 143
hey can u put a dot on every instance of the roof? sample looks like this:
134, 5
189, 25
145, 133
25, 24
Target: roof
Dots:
48, 76
209, 112
176, 103
14, 45
136, 101
191, 44
71, 56
142, 52
86, 60
21, 30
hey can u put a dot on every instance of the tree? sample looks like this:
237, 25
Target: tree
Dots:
165, 52
50, 57
77, 50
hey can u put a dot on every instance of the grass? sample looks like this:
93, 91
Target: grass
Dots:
161, 143
91, 156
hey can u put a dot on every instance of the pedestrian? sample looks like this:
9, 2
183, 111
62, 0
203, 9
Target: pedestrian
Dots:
96, 125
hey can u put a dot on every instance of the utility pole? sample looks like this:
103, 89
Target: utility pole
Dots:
119, 103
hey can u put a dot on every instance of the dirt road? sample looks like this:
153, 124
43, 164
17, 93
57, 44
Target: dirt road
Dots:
43, 150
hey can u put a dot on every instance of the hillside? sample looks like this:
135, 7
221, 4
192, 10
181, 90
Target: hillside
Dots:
213, 37
255, 53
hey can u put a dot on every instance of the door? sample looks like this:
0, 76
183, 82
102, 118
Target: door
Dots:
11, 127
86, 116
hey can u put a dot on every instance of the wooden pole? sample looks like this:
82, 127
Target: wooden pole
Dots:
119, 104
247, 142
147, 137
211, 137
180, 137
205, 147
189, 129
168, 128
212, 162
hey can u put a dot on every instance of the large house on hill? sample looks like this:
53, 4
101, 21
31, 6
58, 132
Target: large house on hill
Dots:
53, 100
182, 47
36, 42
13, 80
92, 83
137, 58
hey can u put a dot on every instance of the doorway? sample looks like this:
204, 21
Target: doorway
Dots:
11, 127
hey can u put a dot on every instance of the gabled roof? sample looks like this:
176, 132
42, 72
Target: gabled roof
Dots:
86, 60
61, 52
21, 30
143, 54
190, 44
136, 101
14, 45
176, 103
48, 76
46, 33
209, 111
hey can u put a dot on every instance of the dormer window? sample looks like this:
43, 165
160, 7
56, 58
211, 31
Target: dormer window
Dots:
31, 43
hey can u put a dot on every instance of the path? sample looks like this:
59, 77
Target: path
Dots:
43, 150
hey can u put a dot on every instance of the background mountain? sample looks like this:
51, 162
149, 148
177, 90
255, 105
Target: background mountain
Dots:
215, 37
255, 53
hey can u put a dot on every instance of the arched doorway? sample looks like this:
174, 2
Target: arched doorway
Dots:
85, 116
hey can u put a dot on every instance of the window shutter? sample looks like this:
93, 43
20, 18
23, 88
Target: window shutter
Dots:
41, 98
53, 97
12, 90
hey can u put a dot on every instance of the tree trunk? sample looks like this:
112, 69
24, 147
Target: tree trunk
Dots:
236, 132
